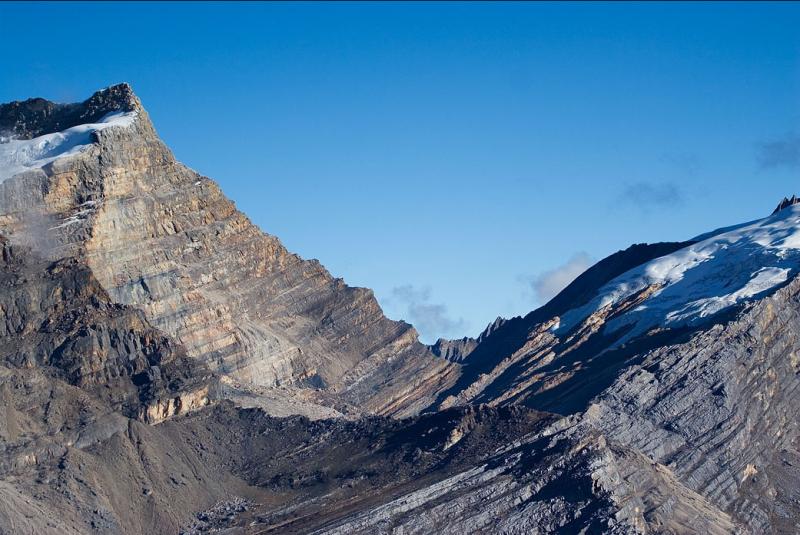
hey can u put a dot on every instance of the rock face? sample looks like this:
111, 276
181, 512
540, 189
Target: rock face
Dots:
159, 237
654, 394
719, 411
56, 316
454, 350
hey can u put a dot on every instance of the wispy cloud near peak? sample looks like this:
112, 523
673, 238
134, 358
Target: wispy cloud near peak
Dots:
547, 284
432, 320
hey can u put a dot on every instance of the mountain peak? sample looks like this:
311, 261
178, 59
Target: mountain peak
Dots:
35, 117
93, 181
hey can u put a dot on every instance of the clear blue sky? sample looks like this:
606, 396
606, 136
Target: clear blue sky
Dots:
462, 160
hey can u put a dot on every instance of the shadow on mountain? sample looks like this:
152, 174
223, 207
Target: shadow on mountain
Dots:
512, 335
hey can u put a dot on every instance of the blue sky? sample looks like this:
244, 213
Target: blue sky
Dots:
463, 160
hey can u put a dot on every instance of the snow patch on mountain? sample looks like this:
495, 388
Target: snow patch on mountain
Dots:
20, 155
727, 267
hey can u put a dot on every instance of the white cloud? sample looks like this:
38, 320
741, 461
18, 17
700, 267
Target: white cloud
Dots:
546, 285
431, 320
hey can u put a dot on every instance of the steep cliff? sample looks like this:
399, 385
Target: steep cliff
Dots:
55, 316
159, 237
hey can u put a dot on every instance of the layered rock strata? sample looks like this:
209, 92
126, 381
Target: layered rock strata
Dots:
164, 239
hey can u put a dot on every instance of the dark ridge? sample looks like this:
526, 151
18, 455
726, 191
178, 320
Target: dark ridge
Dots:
59, 319
512, 334
785, 203
454, 350
584, 288
35, 117
458, 350
334, 468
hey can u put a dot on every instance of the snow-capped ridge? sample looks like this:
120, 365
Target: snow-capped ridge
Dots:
722, 269
21, 155
786, 202
35, 117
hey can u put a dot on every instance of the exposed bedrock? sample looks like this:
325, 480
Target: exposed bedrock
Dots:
56, 316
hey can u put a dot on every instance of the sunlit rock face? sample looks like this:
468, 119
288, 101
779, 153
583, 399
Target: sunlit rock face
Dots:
164, 239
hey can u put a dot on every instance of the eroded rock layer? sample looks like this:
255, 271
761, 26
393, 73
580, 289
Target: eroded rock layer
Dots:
55, 316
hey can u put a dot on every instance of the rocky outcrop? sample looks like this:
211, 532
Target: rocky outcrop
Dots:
56, 316
459, 350
786, 202
37, 116
454, 350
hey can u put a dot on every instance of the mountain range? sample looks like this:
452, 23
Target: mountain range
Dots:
167, 367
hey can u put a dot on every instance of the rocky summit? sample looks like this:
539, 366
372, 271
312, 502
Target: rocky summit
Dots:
167, 367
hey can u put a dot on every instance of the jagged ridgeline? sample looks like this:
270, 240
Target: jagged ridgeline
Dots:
165, 366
